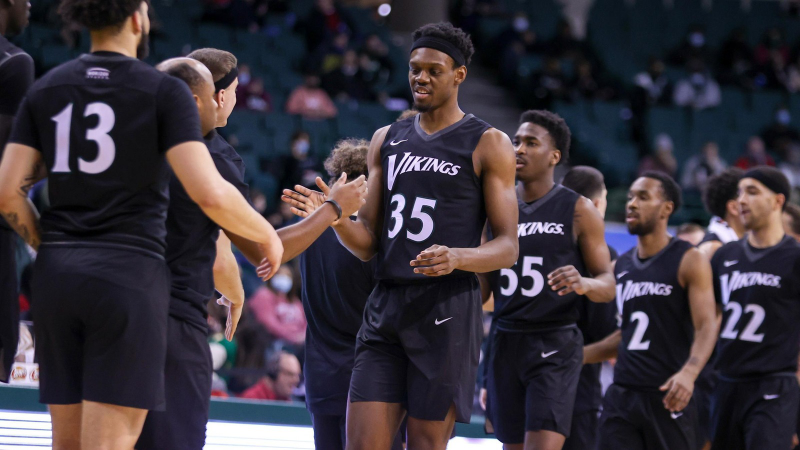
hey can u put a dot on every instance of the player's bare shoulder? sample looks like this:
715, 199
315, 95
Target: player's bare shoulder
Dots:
494, 151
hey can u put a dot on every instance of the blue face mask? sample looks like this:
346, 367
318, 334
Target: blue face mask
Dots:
302, 147
521, 24
783, 117
282, 283
697, 39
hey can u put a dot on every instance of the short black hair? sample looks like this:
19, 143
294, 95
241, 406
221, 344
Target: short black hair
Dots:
720, 189
794, 212
184, 72
98, 14
555, 126
669, 188
586, 181
451, 34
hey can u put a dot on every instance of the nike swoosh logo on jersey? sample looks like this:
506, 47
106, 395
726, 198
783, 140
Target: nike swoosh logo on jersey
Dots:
439, 322
675, 415
771, 396
393, 143
730, 263
622, 274
545, 355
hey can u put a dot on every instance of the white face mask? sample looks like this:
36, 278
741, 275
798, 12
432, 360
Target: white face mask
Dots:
244, 78
520, 24
282, 283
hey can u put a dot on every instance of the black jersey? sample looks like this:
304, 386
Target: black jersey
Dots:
759, 290
431, 194
657, 328
192, 238
522, 299
103, 123
336, 286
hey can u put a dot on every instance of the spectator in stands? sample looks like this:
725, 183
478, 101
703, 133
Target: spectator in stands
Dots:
699, 168
662, 158
310, 101
253, 343
755, 155
691, 233
564, 45
588, 85
244, 76
278, 308
791, 221
791, 165
513, 43
735, 62
780, 134
772, 41
325, 21
348, 81
283, 376
328, 56
652, 87
698, 90
375, 61
253, 97
693, 47
549, 83
299, 165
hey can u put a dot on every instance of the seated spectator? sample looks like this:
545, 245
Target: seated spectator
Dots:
549, 83
328, 56
278, 308
325, 21
564, 44
299, 166
773, 41
375, 61
755, 155
244, 76
735, 61
283, 377
694, 46
691, 233
662, 158
348, 82
253, 97
310, 101
780, 134
791, 165
587, 85
699, 168
793, 76
698, 90
652, 86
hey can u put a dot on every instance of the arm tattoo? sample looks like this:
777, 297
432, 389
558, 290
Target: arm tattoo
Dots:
31, 238
29, 181
693, 361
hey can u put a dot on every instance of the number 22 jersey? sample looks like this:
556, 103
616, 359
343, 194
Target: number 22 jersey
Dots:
759, 292
431, 194
103, 123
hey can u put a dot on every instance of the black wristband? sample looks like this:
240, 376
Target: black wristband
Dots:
336, 206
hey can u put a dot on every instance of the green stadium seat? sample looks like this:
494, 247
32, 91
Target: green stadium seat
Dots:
54, 55
215, 35
673, 121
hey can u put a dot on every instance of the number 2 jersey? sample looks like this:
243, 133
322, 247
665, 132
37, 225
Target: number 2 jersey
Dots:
759, 291
103, 123
657, 328
523, 301
431, 194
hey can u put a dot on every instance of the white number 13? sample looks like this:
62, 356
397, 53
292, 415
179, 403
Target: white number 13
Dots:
106, 150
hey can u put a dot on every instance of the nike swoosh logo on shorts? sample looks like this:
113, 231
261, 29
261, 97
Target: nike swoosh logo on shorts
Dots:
393, 143
439, 322
675, 415
729, 263
771, 396
545, 355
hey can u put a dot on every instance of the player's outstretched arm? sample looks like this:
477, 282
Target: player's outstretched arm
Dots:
220, 200
695, 274
20, 169
228, 282
590, 230
360, 236
496, 165
602, 350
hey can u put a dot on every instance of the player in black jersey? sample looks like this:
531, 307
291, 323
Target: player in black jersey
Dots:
595, 320
434, 180
101, 125
563, 256
757, 284
668, 330
16, 76
719, 198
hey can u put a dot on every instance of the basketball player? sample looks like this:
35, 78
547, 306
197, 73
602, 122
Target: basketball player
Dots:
668, 330
561, 235
434, 180
757, 283
102, 125
719, 198
16, 76
595, 320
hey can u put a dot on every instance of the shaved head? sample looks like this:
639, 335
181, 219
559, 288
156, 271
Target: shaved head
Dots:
191, 71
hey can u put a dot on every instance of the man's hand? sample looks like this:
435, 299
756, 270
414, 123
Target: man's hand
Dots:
566, 280
273, 252
234, 314
436, 260
304, 201
350, 196
482, 398
679, 390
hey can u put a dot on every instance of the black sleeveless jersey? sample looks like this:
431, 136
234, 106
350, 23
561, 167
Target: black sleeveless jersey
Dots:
522, 299
431, 195
103, 123
657, 328
759, 291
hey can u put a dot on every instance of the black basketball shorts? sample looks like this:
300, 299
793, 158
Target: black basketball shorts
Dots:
419, 345
100, 325
9, 302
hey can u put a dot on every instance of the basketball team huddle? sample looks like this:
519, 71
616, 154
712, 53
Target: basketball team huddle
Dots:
438, 214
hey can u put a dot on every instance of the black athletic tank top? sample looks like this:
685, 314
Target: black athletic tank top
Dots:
431, 194
657, 329
523, 300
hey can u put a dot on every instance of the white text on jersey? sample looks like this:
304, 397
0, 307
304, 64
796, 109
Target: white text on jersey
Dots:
531, 228
418, 164
633, 289
736, 280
